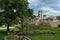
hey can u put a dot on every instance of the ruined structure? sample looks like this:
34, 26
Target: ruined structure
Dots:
53, 21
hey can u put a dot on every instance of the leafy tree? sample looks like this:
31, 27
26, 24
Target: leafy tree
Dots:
14, 9
58, 17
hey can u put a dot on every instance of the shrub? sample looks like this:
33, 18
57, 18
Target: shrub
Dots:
29, 26
59, 26
44, 24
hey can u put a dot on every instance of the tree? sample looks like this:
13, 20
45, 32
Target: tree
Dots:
14, 9
58, 17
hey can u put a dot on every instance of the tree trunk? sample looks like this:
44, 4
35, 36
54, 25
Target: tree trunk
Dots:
8, 30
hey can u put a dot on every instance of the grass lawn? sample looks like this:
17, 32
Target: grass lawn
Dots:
12, 38
44, 37
36, 37
47, 36
2, 34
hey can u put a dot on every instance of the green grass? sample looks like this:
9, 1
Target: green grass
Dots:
42, 29
44, 37
15, 29
1, 38
2, 34
36, 37
12, 38
47, 36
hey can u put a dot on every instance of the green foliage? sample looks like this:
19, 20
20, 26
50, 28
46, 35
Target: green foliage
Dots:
44, 24
58, 17
29, 26
47, 36
32, 26
2, 34
21, 7
12, 38
8, 16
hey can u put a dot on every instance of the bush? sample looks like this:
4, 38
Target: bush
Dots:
44, 24
29, 26
59, 26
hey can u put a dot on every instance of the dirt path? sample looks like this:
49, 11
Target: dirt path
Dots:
1, 28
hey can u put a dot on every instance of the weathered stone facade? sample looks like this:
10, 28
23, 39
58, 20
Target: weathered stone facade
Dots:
47, 18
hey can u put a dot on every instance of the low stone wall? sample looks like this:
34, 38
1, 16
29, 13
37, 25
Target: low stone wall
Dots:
22, 36
5, 38
19, 37
36, 33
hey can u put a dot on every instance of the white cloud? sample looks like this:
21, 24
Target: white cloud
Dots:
46, 5
35, 2
50, 11
50, 3
46, 8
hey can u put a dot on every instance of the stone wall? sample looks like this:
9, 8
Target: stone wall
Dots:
53, 23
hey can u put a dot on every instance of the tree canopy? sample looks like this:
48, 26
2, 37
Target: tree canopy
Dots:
14, 9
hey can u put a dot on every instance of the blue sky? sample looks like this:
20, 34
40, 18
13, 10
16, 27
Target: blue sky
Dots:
49, 7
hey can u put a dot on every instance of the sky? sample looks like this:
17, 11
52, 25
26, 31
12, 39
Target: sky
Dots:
48, 7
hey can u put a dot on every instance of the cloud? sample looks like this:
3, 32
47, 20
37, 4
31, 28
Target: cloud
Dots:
35, 2
50, 3
50, 11
52, 7
46, 8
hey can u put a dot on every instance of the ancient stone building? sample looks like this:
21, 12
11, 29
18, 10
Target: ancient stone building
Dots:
45, 18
